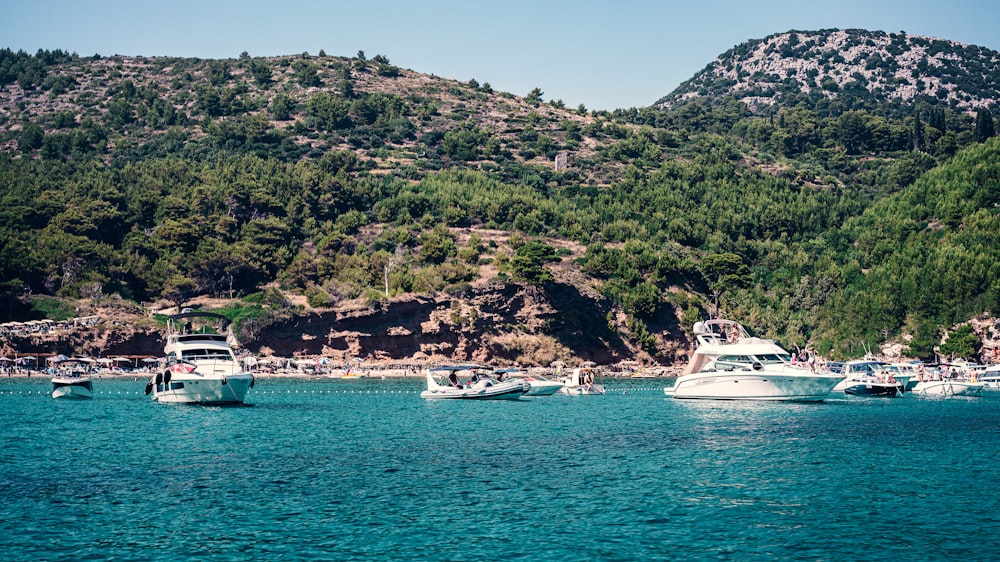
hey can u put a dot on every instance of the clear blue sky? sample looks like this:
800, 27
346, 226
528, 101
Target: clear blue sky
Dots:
603, 54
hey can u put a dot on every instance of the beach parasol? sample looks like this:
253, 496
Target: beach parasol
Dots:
121, 359
4, 359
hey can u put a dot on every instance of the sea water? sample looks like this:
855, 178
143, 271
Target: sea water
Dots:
327, 469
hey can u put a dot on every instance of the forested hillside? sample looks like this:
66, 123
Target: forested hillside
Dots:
831, 221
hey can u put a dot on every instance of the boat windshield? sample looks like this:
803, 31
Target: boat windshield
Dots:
737, 359
217, 354
774, 358
723, 365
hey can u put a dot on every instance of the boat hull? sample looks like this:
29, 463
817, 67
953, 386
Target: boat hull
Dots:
203, 390
754, 385
491, 393
543, 388
583, 390
873, 389
78, 389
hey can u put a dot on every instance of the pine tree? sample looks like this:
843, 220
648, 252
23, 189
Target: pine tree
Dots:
918, 132
984, 126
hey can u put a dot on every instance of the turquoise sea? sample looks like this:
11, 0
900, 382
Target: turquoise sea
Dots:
367, 470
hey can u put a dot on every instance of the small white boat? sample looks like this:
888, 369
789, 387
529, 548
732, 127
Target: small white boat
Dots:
949, 387
72, 380
200, 365
469, 383
537, 384
583, 380
729, 364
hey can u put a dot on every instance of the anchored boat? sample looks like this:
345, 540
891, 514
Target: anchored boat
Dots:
730, 364
465, 382
201, 367
72, 380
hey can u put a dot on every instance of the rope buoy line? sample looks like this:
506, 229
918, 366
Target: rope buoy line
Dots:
624, 391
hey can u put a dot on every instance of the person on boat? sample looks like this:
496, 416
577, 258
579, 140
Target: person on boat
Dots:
734, 334
453, 380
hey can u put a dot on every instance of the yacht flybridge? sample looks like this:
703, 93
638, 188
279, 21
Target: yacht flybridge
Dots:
200, 365
730, 364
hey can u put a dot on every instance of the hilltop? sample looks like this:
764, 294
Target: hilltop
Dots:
880, 67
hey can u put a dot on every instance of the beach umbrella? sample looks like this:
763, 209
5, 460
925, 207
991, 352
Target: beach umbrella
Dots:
4, 359
104, 361
121, 359
57, 358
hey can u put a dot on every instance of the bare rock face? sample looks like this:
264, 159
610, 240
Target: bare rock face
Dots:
496, 323
490, 323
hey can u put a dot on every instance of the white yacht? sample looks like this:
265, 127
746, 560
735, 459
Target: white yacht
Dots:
72, 380
469, 383
991, 378
200, 365
730, 364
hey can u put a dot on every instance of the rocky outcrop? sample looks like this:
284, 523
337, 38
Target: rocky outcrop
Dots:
496, 323
492, 323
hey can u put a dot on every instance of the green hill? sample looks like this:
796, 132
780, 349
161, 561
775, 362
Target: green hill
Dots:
336, 183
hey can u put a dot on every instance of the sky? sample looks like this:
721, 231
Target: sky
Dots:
600, 54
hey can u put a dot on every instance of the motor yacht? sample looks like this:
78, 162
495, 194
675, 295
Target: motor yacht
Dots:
201, 367
465, 382
730, 364
72, 380
991, 378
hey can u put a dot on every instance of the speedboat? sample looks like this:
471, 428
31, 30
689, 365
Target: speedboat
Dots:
537, 384
72, 380
201, 367
869, 378
906, 374
446, 382
583, 380
730, 364
949, 387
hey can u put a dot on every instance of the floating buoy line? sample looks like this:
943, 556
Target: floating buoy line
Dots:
335, 391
